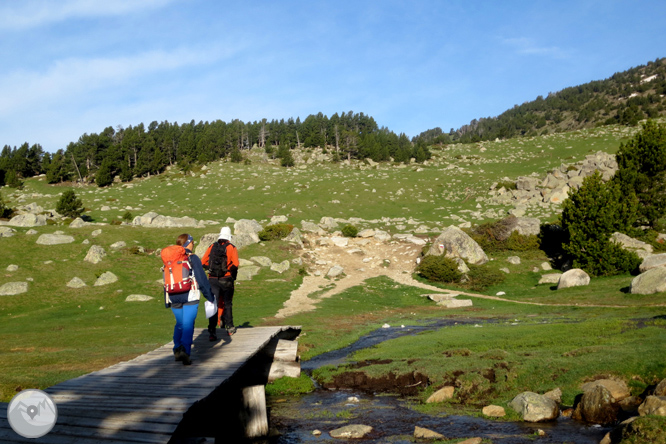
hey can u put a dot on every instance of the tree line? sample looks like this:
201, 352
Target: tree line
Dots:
138, 151
624, 98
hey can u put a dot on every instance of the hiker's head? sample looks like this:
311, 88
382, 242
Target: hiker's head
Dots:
225, 234
185, 240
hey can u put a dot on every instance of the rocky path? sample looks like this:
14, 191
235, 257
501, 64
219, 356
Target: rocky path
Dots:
363, 259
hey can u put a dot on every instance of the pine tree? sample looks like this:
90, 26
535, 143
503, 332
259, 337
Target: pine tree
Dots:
642, 171
69, 205
590, 216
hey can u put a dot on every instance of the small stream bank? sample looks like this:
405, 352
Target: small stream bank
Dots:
294, 419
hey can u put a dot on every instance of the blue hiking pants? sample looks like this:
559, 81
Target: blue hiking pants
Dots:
183, 331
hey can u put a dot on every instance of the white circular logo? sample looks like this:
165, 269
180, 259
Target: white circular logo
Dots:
32, 413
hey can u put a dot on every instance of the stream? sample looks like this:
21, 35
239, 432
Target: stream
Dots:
293, 419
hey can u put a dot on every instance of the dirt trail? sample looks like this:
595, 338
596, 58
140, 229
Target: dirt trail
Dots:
364, 259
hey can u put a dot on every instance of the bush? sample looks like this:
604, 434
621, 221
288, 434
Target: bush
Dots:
439, 269
5, 211
500, 236
127, 217
481, 277
69, 205
349, 231
590, 216
275, 232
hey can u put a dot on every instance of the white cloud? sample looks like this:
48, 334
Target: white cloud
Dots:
34, 13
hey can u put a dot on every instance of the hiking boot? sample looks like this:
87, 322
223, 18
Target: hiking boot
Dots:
231, 330
186, 359
212, 336
178, 353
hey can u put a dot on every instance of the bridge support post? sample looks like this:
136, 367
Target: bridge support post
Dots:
253, 414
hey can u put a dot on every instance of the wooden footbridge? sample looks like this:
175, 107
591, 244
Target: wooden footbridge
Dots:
154, 399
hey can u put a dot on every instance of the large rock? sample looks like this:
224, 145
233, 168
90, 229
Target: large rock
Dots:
294, 237
138, 298
335, 271
652, 261
423, 433
617, 389
652, 281
653, 405
105, 278
247, 273
441, 395
642, 249
154, 220
453, 242
246, 226
660, 390
13, 288
355, 431
280, 267
27, 220
573, 278
494, 411
310, 227
206, 241
76, 282
7, 232
328, 223
77, 223
262, 260
54, 239
597, 406
534, 407
245, 239
550, 278
95, 254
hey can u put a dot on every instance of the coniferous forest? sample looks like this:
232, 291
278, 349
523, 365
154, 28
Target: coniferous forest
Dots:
137, 151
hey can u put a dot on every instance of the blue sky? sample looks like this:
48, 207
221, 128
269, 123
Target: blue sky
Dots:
78, 66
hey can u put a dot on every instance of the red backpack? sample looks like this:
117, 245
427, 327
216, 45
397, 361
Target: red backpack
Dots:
177, 269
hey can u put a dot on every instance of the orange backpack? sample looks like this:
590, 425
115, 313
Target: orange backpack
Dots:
177, 270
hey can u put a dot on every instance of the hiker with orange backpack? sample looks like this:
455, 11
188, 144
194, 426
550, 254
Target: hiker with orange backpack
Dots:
221, 261
184, 280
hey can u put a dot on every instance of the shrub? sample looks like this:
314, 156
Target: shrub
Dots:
5, 211
69, 205
590, 216
507, 184
127, 217
481, 277
349, 231
500, 236
275, 232
439, 269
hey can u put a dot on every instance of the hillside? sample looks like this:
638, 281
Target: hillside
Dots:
624, 98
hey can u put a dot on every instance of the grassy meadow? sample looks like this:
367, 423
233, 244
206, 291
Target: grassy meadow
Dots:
54, 333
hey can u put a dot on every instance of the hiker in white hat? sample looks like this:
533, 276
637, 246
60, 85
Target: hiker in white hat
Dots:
221, 261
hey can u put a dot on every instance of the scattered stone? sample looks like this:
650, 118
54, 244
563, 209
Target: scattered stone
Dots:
281, 267
505, 270
154, 220
96, 233
494, 411
13, 288
316, 432
206, 241
423, 433
243, 240
438, 297
31, 232
76, 282
262, 260
12, 267
652, 281
660, 390
138, 298
294, 238
652, 261
472, 441
310, 227
95, 254
328, 223
456, 303
351, 431
555, 395
441, 395
7, 232
335, 271
573, 278
642, 249
246, 226
545, 266
653, 405
453, 242
105, 278
247, 273
27, 220
77, 223
54, 239
340, 241
534, 407
513, 260
278, 220
551, 278
118, 245
366, 233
